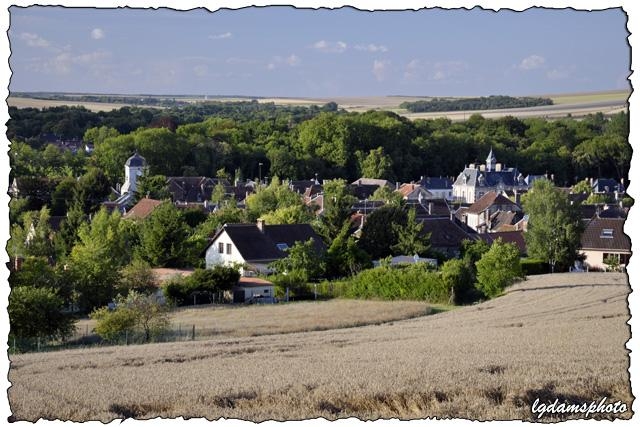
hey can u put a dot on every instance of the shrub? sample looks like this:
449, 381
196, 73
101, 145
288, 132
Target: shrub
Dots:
533, 266
458, 279
412, 282
498, 268
37, 312
135, 313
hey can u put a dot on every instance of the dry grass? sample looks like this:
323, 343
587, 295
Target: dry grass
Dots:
268, 319
558, 336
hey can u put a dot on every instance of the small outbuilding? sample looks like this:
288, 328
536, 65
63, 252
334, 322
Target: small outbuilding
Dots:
253, 290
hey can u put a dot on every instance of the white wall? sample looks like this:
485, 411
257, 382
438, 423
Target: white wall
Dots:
213, 257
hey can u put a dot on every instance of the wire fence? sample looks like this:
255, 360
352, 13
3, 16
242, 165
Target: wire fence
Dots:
85, 337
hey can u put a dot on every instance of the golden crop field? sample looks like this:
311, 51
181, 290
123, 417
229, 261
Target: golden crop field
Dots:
269, 319
556, 336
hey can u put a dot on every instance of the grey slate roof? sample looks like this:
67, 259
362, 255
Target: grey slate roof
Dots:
136, 161
256, 245
595, 236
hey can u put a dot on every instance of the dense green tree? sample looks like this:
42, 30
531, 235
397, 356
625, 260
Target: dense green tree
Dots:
388, 195
411, 239
163, 237
554, 226
378, 233
37, 313
275, 196
337, 200
136, 276
302, 260
102, 249
92, 189
498, 268
344, 257
375, 164
152, 186
459, 279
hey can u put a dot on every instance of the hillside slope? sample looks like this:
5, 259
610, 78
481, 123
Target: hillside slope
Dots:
556, 336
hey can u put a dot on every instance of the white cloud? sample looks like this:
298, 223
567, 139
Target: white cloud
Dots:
222, 36
33, 40
200, 70
292, 60
380, 69
371, 48
532, 62
328, 47
441, 70
560, 73
97, 33
64, 62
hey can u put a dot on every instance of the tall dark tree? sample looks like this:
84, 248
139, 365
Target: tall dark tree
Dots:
378, 234
554, 226
163, 237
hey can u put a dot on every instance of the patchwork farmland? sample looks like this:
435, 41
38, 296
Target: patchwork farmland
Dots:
555, 336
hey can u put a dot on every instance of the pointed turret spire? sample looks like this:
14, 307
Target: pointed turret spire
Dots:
491, 161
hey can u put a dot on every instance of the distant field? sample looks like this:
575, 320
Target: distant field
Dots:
256, 320
46, 103
555, 336
575, 104
590, 97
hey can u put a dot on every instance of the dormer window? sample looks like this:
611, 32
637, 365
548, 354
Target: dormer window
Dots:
282, 246
607, 233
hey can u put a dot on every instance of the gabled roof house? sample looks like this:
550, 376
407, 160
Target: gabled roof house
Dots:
255, 246
604, 238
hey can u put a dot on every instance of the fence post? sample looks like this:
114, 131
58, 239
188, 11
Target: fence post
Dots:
193, 333
126, 337
38, 341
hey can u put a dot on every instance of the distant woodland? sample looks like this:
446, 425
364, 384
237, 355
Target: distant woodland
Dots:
473, 104
296, 142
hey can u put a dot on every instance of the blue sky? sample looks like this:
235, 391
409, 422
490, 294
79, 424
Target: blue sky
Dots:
282, 51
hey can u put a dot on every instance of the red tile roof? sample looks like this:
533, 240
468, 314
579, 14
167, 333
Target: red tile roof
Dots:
142, 209
491, 198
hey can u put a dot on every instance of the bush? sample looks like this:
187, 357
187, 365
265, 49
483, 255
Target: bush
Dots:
533, 266
458, 278
136, 313
413, 282
37, 312
498, 268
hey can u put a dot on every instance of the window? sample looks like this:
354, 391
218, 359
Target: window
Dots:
228, 248
221, 248
607, 233
266, 291
282, 246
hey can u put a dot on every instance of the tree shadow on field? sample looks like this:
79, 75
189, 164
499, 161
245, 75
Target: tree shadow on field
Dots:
544, 288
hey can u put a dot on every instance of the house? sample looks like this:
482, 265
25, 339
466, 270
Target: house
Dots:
363, 188
192, 189
255, 246
414, 192
253, 290
477, 180
429, 208
441, 188
142, 209
446, 235
515, 237
607, 185
490, 212
604, 238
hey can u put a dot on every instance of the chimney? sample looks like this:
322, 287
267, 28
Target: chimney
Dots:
397, 186
472, 165
498, 167
260, 225
430, 207
482, 167
17, 263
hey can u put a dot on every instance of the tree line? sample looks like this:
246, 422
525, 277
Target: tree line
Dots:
494, 102
298, 144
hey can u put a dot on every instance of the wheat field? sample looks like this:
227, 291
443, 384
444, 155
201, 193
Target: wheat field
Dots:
555, 336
